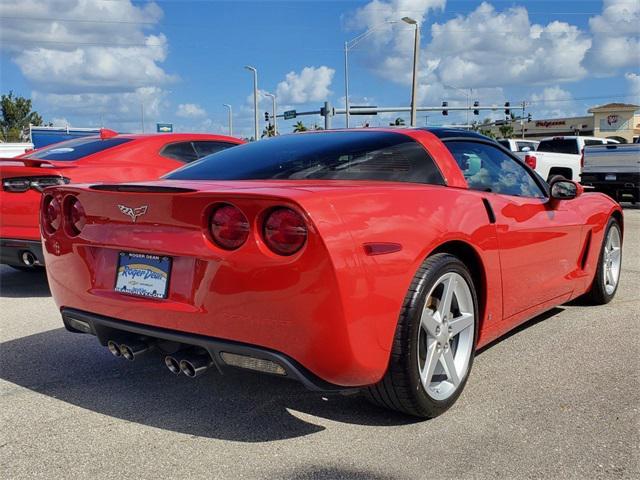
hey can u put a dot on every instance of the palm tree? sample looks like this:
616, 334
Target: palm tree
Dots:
269, 131
299, 127
399, 122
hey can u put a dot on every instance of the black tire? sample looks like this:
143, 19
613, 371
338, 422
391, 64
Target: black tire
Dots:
597, 294
401, 389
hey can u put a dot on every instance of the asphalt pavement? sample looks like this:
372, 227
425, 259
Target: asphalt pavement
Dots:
558, 398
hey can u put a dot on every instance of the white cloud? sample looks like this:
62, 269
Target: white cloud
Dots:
190, 110
487, 48
101, 61
60, 122
616, 37
122, 110
554, 102
389, 46
633, 80
310, 85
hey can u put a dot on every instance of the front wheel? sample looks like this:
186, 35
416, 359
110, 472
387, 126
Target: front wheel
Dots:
434, 342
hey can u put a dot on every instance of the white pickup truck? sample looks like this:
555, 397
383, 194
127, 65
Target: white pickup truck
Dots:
614, 170
560, 155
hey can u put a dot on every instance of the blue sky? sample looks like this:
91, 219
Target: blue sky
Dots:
89, 62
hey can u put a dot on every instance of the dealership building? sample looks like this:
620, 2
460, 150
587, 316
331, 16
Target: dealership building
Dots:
619, 121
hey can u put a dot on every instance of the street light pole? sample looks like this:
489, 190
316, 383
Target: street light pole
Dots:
416, 46
273, 112
348, 46
346, 83
255, 100
230, 118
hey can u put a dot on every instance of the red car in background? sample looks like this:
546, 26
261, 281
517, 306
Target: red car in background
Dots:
371, 259
109, 157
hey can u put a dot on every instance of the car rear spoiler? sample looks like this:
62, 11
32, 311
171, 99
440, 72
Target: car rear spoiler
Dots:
31, 162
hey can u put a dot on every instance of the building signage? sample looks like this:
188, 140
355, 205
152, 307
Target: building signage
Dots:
550, 123
612, 123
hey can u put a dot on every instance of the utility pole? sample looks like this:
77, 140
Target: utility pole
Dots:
230, 118
328, 113
346, 84
142, 116
416, 46
524, 105
256, 125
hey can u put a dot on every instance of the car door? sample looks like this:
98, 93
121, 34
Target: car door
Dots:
539, 241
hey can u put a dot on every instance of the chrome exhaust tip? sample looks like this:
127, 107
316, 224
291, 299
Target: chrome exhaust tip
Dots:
29, 259
114, 348
196, 365
132, 350
172, 364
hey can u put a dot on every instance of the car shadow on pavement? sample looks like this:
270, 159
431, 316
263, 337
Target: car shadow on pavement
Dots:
524, 326
239, 406
21, 284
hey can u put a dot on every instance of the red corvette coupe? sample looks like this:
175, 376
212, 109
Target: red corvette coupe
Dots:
370, 259
109, 157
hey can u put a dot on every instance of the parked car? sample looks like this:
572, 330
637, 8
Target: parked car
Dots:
373, 259
518, 144
109, 157
560, 155
614, 170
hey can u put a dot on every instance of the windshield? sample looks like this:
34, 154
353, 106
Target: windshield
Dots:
354, 155
76, 149
559, 145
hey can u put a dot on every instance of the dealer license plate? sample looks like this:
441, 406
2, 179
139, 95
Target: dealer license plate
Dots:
143, 275
610, 177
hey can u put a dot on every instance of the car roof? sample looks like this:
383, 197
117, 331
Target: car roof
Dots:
173, 136
444, 133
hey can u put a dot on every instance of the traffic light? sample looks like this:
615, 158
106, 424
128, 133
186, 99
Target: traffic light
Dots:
529, 118
507, 110
475, 110
445, 111
266, 117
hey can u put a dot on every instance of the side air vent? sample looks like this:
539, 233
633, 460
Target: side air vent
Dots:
141, 189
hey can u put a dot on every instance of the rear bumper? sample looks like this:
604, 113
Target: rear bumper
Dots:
625, 185
12, 250
106, 328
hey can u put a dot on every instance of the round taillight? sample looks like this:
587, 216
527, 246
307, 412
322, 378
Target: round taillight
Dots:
76, 217
229, 227
51, 215
284, 231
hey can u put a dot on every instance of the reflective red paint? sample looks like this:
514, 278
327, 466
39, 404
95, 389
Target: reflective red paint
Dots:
330, 306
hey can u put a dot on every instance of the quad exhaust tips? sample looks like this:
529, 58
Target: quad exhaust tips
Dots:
191, 363
129, 347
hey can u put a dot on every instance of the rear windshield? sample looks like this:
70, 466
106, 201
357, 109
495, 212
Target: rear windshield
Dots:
559, 145
330, 155
75, 149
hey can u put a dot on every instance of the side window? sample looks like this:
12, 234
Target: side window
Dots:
525, 146
182, 151
205, 148
593, 142
489, 169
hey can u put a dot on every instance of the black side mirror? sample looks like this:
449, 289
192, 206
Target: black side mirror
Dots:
563, 189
